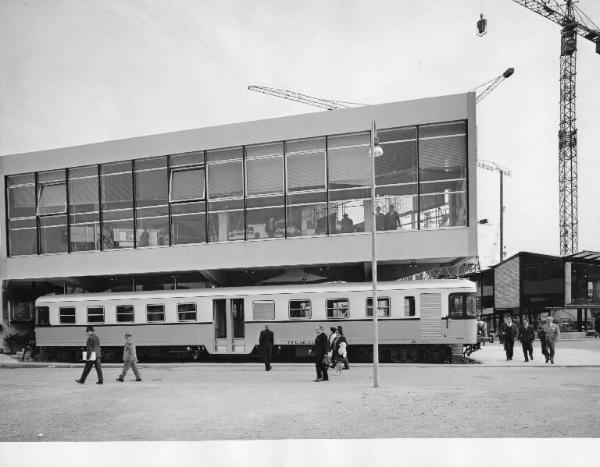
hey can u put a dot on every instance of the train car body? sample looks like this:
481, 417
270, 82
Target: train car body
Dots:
418, 320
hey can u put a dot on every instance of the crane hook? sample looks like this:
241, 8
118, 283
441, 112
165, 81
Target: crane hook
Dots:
481, 26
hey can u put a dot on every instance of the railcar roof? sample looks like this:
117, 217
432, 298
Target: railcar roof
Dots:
258, 290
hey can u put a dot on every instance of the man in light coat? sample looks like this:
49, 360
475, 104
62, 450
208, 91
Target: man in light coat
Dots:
129, 359
551, 336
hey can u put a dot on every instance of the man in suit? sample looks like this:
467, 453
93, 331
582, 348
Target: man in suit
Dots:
265, 341
321, 349
551, 336
93, 357
527, 336
129, 359
508, 331
391, 219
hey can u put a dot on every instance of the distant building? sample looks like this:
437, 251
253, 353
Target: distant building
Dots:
531, 285
247, 203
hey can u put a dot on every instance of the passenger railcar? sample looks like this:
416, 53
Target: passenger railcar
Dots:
418, 320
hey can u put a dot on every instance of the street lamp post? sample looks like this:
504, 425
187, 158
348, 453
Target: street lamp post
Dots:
375, 151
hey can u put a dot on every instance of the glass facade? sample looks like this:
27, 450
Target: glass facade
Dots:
309, 187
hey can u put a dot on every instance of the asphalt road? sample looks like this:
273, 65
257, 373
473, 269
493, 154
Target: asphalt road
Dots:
242, 401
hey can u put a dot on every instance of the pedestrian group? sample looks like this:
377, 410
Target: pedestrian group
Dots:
548, 334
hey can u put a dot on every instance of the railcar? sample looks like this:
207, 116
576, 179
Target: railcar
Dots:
428, 320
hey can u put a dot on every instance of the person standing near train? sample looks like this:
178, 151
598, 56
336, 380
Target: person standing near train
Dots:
321, 349
129, 359
92, 357
265, 340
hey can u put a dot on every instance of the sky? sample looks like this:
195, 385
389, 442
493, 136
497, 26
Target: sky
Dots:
81, 71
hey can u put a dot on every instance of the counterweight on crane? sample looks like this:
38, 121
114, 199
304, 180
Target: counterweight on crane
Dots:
573, 22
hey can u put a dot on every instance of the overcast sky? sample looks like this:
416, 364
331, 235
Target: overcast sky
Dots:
81, 71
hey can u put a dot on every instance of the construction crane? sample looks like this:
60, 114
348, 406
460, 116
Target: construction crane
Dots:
573, 22
491, 84
328, 104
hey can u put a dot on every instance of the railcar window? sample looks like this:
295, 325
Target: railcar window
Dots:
383, 307
125, 314
95, 314
300, 309
155, 313
186, 311
462, 305
42, 315
263, 310
67, 315
338, 308
409, 306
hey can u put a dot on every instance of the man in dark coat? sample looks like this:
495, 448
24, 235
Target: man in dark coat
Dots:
391, 219
321, 349
508, 332
542, 338
527, 337
597, 324
92, 357
265, 341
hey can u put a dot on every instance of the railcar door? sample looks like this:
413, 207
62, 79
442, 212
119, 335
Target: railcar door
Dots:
431, 317
229, 325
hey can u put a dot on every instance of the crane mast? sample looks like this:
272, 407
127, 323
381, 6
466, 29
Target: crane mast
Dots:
573, 23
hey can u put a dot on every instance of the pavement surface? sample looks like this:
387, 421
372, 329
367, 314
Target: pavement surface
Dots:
193, 402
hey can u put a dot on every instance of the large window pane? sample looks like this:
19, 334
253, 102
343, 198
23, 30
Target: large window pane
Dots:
305, 172
52, 199
348, 210
265, 175
443, 210
226, 221
187, 184
117, 205
265, 218
442, 151
188, 223
348, 159
85, 232
22, 237
53, 234
398, 164
225, 179
307, 214
187, 159
151, 200
21, 196
83, 190
84, 208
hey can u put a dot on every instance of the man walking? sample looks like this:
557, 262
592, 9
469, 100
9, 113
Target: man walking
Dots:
508, 331
265, 340
92, 357
527, 337
129, 359
551, 336
321, 349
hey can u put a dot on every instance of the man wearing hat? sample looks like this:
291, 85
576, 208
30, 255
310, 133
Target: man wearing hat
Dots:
129, 359
92, 357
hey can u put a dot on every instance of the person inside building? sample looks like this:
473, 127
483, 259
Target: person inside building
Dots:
392, 219
551, 336
527, 336
508, 333
347, 224
379, 219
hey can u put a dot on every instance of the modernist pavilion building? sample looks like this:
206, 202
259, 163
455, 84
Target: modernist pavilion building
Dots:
271, 201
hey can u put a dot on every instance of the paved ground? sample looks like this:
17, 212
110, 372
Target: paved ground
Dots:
241, 401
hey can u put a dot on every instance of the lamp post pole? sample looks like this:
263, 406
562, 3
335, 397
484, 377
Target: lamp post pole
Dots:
501, 215
375, 307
